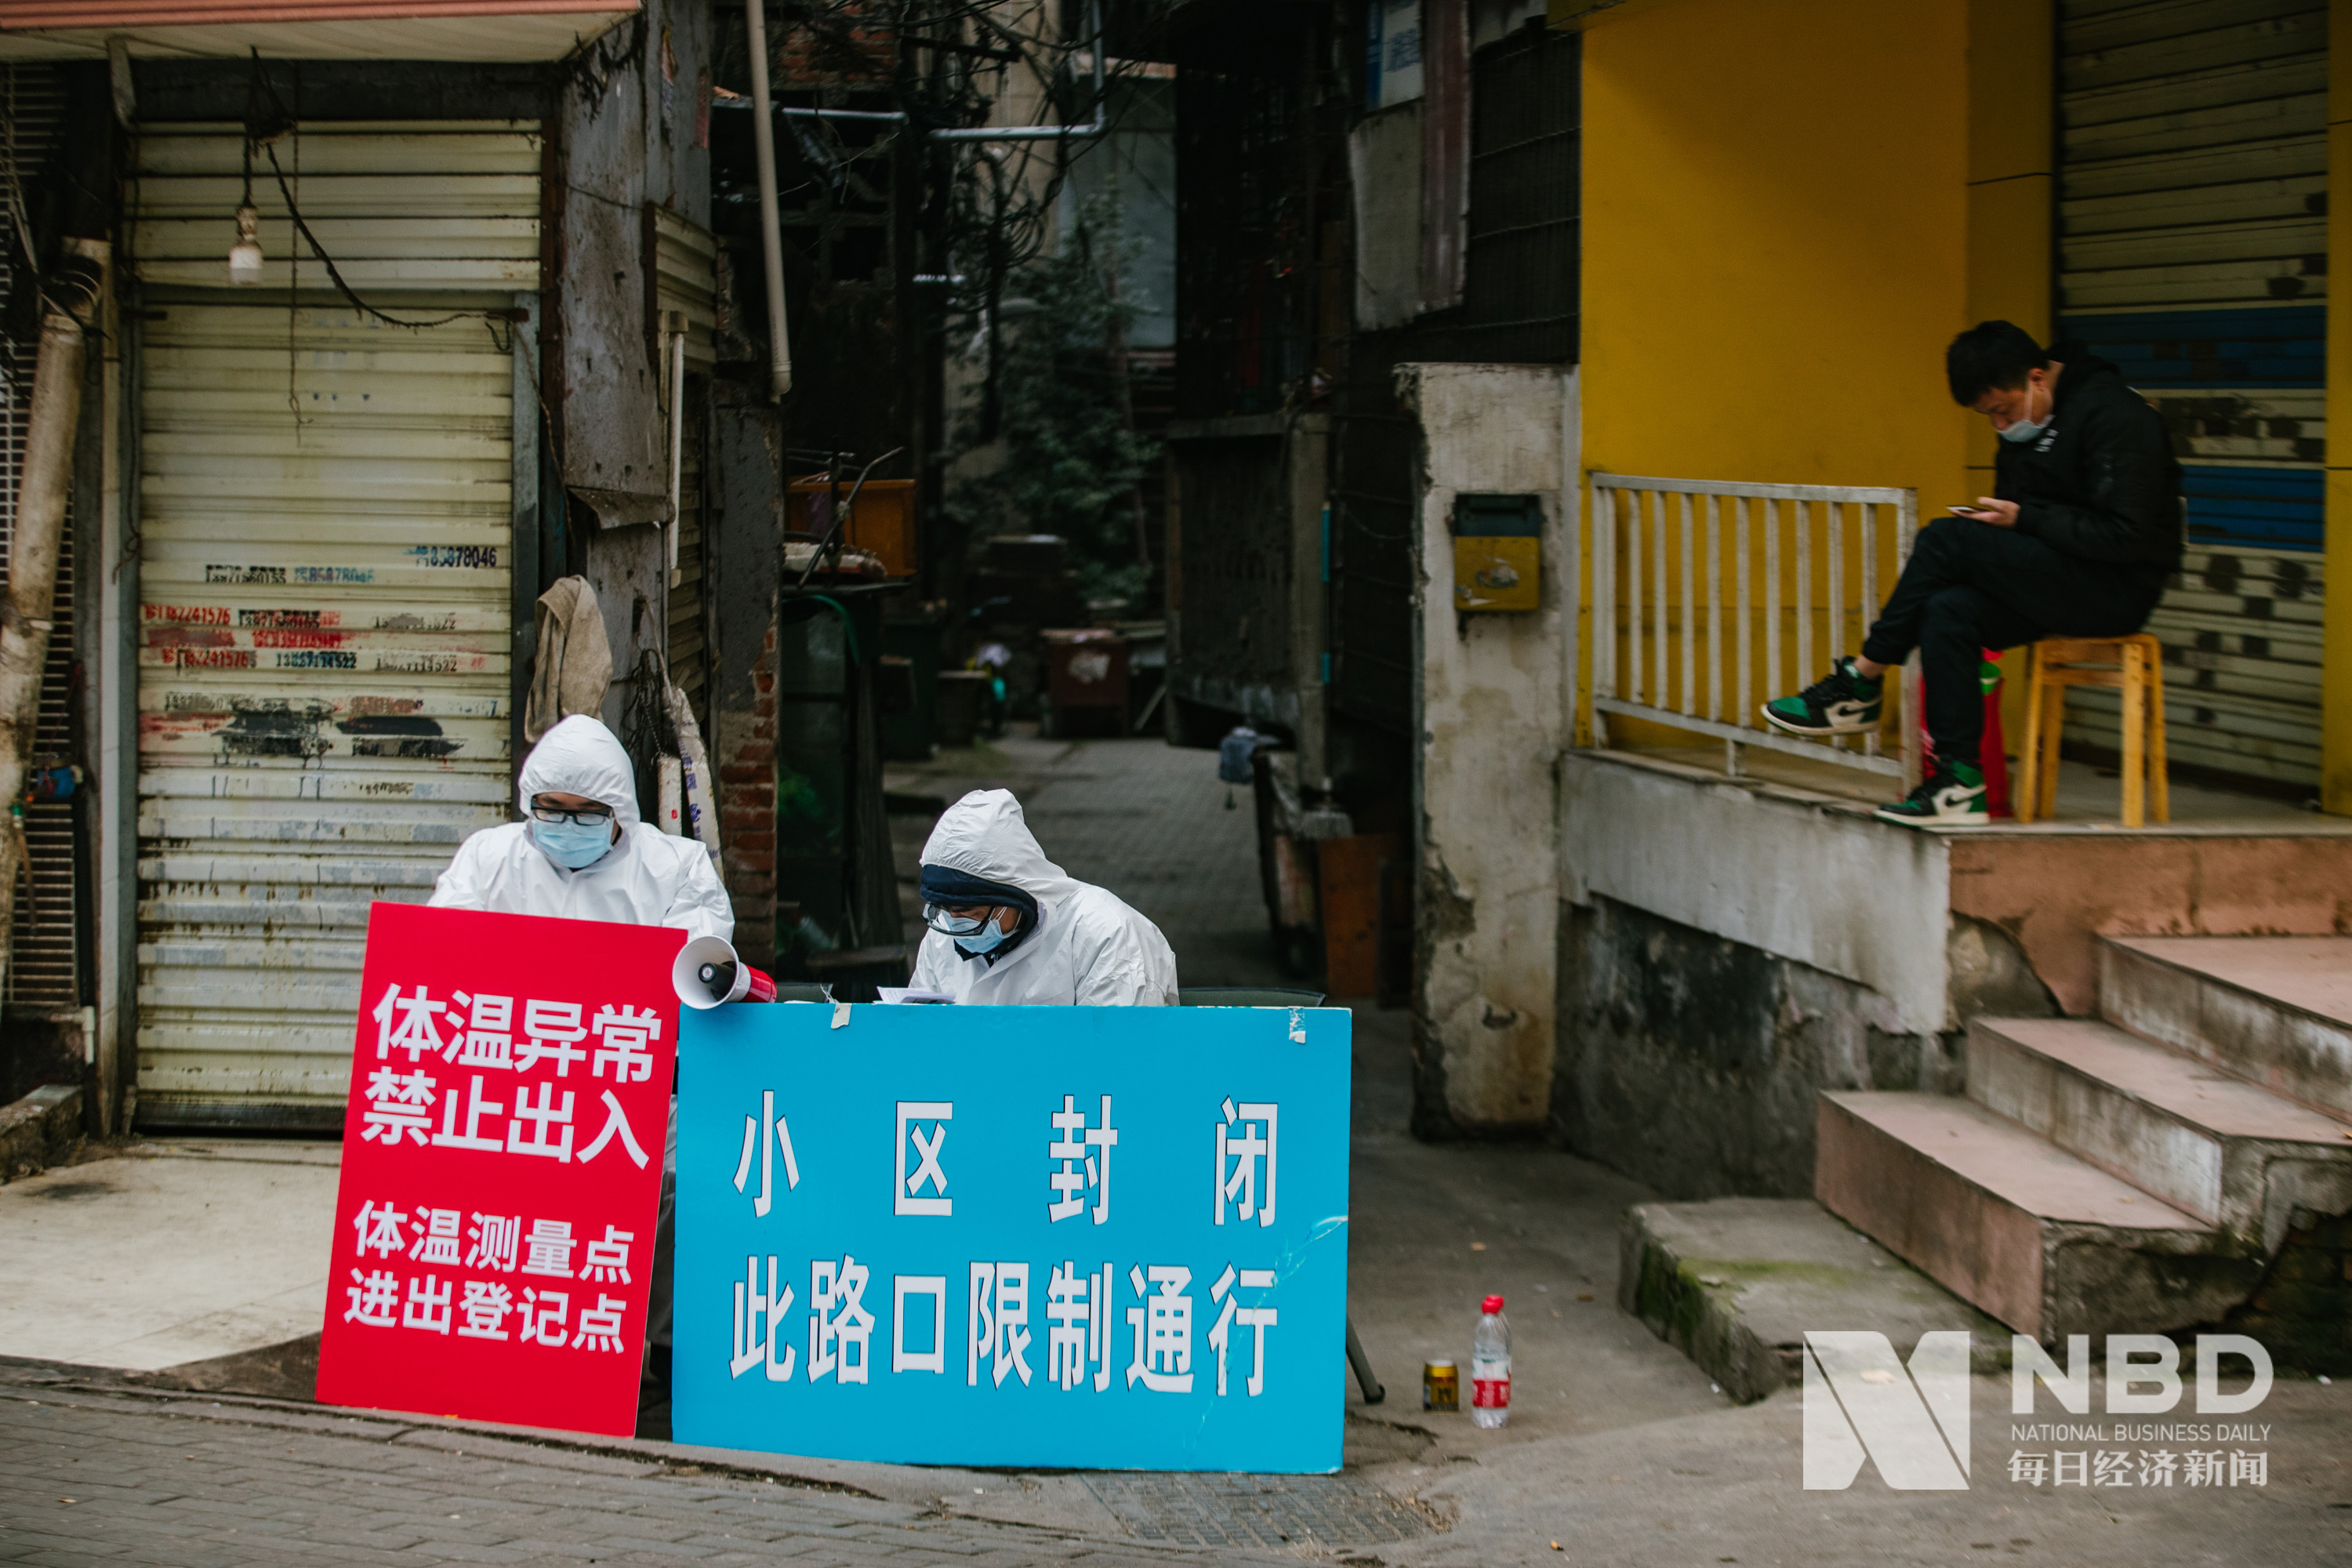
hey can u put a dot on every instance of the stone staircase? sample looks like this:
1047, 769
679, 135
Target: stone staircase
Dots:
2133, 1173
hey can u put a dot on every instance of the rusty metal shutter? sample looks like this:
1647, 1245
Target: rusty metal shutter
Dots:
686, 278
325, 539
2193, 253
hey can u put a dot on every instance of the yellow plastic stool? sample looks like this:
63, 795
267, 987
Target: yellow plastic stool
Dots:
2135, 664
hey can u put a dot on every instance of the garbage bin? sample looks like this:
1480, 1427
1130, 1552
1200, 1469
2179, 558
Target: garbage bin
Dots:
957, 699
1085, 682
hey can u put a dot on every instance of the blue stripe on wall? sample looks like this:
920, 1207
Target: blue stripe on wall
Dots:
2284, 347
2282, 508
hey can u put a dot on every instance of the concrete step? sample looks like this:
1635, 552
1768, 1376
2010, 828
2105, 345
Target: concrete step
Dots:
2233, 1156
1737, 1283
2275, 1010
39, 1130
2045, 1241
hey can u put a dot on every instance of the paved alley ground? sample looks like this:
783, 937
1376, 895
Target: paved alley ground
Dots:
1619, 1449
1139, 817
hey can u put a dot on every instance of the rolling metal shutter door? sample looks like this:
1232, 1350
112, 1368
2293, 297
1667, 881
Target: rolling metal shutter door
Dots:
2194, 255
325, 524
43, 976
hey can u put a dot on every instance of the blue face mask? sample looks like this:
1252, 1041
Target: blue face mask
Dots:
578, 845
2025, 429
988, 939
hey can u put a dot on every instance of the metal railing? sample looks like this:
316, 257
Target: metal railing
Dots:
1803, 574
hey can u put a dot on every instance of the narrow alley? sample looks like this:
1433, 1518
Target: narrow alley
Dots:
1401, 782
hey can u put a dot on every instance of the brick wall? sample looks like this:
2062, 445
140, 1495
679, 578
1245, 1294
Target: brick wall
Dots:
740, 567
836, 55
747, 810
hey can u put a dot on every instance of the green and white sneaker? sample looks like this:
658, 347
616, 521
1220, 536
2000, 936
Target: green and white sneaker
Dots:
1843, 703
1951, 797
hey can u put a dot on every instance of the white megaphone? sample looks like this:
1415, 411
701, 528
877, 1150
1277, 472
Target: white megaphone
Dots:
708, 973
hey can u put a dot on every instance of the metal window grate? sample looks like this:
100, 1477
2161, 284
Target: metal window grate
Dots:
1246, 280
1519, 299
1374, 525
43, 955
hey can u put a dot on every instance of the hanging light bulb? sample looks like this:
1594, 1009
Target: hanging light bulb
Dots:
245, 256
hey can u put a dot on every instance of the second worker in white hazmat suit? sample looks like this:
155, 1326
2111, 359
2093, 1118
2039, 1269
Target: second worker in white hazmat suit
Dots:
1011, 928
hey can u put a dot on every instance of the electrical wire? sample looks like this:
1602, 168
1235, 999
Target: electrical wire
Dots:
840, 512
261, 85
335, 273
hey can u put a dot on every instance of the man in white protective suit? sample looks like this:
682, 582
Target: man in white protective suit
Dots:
580, 853
1011, 928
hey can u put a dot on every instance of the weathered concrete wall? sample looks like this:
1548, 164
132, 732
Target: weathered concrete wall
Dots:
1384, 174
626, 121
629, 568
1796, 875
1691, 1061
1490, 711
606, 375
1730, 948
41, 1130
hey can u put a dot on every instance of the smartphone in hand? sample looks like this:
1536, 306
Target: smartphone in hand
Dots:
1978, 513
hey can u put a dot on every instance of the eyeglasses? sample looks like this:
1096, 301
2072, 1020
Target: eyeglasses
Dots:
955, 920
582, 816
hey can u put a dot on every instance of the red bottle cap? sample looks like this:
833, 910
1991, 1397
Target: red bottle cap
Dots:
1491, 1304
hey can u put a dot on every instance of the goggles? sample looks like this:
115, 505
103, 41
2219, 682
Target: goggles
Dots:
956, 920
585, 815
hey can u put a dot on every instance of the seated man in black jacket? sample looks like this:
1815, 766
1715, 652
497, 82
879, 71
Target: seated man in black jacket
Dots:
2077, 540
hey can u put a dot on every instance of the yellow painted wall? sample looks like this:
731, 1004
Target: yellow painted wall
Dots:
2012, 101
1790, 209
1775, 241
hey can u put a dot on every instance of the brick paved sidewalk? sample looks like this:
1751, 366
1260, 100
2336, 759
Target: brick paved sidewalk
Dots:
98, 1477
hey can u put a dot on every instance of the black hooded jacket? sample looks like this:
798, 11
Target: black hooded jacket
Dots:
2101, 482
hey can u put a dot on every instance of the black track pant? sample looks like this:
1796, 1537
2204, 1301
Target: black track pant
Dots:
1969, 587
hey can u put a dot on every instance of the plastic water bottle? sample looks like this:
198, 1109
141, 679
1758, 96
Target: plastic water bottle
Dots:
1490, 1366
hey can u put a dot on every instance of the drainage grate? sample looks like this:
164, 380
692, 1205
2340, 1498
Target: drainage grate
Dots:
1255, 1510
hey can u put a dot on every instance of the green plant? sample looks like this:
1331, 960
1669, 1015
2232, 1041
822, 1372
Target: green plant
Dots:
1071, 459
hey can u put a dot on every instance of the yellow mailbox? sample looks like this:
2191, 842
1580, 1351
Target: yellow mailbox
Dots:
1497, 552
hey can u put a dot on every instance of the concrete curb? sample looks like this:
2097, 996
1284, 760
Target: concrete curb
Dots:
1736, 1284
1058, 1502
41, 1130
